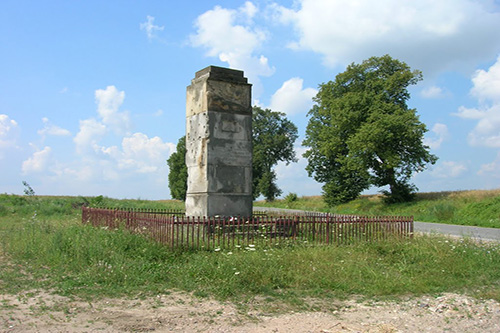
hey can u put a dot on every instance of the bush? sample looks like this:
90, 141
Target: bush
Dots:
291, 197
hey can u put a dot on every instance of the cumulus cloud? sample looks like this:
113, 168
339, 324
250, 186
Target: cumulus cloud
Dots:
429, 35
432, 92
38, 162
51, 129
486, 88
108, 102
91, 132
292, 98
9, 132
491, 170
439, 133
136, 156
110, 117
144, 154
448, 169
231, 36
109, 160
101, 162
150, 28
487, 84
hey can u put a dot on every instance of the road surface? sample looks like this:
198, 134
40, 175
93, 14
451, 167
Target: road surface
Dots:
487, 234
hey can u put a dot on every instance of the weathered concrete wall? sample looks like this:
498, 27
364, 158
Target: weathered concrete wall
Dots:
219, 143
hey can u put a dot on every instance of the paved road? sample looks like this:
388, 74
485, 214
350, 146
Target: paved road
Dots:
459, 230
488, 234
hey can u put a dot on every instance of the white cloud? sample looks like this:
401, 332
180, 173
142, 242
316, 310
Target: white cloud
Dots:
105, 161
150, 27
91, 132
429, 35
9, 131
51, 129
486, 88
108, 102
440, 134
231, 36
291, 98
217, 31
491, 170
487, 84
106, 167
469, 113
487, 130
448, 169
138, 157
432, 92
249, 9
144, 154
38, 162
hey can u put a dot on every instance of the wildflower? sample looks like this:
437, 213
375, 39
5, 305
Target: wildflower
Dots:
217, 249
251, 245
229, 253
236, 273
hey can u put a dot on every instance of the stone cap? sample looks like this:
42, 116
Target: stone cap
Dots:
222, 74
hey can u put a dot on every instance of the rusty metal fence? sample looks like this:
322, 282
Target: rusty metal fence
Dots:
176, 230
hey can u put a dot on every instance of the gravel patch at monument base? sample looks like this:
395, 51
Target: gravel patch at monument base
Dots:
178, 312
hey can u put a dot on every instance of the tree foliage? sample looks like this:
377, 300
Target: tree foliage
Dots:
361, 132
28, 190
273, 137
177, 177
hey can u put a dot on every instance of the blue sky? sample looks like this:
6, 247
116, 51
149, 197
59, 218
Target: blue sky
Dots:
92, 93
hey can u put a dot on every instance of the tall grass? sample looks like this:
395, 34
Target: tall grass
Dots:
65, 205
63, 255
474, 208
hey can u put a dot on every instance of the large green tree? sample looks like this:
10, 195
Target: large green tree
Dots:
273, 137
177, 177
361, 132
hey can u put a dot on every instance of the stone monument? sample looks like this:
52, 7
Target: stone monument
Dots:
219, 144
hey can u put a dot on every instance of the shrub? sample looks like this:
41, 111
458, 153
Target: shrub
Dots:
291, 197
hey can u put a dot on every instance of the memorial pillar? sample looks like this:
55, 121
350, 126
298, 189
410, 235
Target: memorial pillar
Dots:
219, 144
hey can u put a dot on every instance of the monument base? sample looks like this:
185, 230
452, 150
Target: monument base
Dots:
221, 204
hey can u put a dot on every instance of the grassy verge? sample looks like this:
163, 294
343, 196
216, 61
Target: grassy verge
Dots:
56, 252
474, 208
65, 205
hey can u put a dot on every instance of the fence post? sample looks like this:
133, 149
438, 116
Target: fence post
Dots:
328, 229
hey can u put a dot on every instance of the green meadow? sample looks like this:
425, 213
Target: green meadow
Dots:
44, 246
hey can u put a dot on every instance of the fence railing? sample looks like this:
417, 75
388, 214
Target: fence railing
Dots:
176, 230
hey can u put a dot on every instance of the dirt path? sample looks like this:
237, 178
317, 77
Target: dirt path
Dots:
176, 312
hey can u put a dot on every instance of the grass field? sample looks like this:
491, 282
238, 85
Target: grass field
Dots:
43, 245
474, 208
